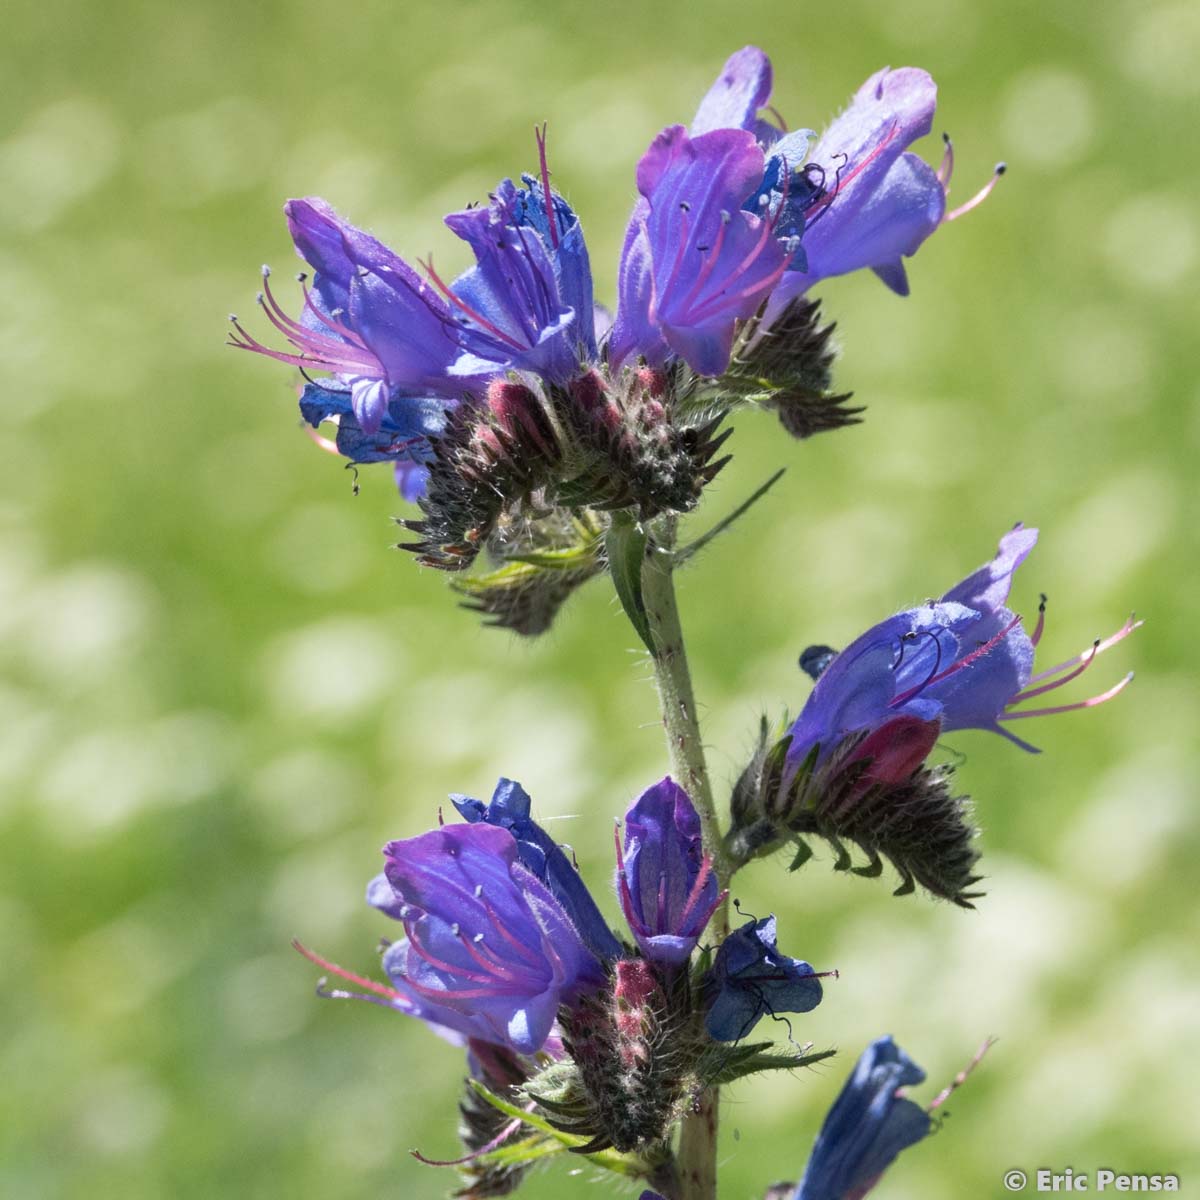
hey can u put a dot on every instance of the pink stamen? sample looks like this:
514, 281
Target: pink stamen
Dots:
974, 656
961, 1077
440, 964
828, 197
979, 197
379, 989
484, 956
1040, 628
713, 252
635, 922
697, 887
1029, 693
524, 951
297, 333
328, 321
946, 167
684, 237
468, 311
1089, 703
1122, 633
497, 1141
540, 134
322, 442
722, 298
453, 993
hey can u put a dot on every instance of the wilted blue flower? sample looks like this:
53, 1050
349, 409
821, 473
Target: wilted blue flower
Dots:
489, 951
509, 809
665, 880
961, 662
751, 979
867, 1127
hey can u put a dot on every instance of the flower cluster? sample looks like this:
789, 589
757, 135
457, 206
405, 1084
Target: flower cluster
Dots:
505, 949
512, 406
852, 766
559, 442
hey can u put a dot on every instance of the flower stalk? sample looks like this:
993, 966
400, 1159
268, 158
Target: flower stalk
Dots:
697, 1156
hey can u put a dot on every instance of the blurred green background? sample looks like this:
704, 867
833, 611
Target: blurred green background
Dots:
222, 692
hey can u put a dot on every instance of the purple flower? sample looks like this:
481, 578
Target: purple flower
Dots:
875, 203
961, 662
665, 880
401, 349
694, 262
751, 979
867, 1127
489, 952
509, 809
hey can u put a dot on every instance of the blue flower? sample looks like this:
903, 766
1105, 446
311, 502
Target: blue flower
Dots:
400, 350
867, 1127
694, 262
539, 853
961, 662
861, 198
750, 979
665, 880
489, 951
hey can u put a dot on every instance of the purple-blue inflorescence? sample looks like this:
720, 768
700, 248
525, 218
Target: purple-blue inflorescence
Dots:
488, 950
665, 880
509, 809
869, 1124
735, 218
962, 662
750, 979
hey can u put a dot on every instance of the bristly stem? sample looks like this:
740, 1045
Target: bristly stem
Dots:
697, 1160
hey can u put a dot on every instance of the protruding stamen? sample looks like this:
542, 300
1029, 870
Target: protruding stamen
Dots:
979, 197
1029, 693
946, 167
1040, 627
961, 1077
467, 310
540, 134
1130, 625
1103, 698
379, 989
506, 1132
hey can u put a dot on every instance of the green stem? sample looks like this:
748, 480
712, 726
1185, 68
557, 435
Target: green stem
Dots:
697, 1157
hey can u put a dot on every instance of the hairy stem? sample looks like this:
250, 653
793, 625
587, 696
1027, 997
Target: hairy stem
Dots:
697, 1161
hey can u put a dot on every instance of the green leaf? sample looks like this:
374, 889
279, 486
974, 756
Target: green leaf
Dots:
610, 1160
686, 552
626, 549
736, 1062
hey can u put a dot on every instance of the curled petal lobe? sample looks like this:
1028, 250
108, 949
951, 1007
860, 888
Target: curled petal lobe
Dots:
741, 89
751, 979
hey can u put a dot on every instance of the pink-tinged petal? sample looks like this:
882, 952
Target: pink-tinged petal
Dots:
742, 88
694, 262
988, 587
890, 111
875, 229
